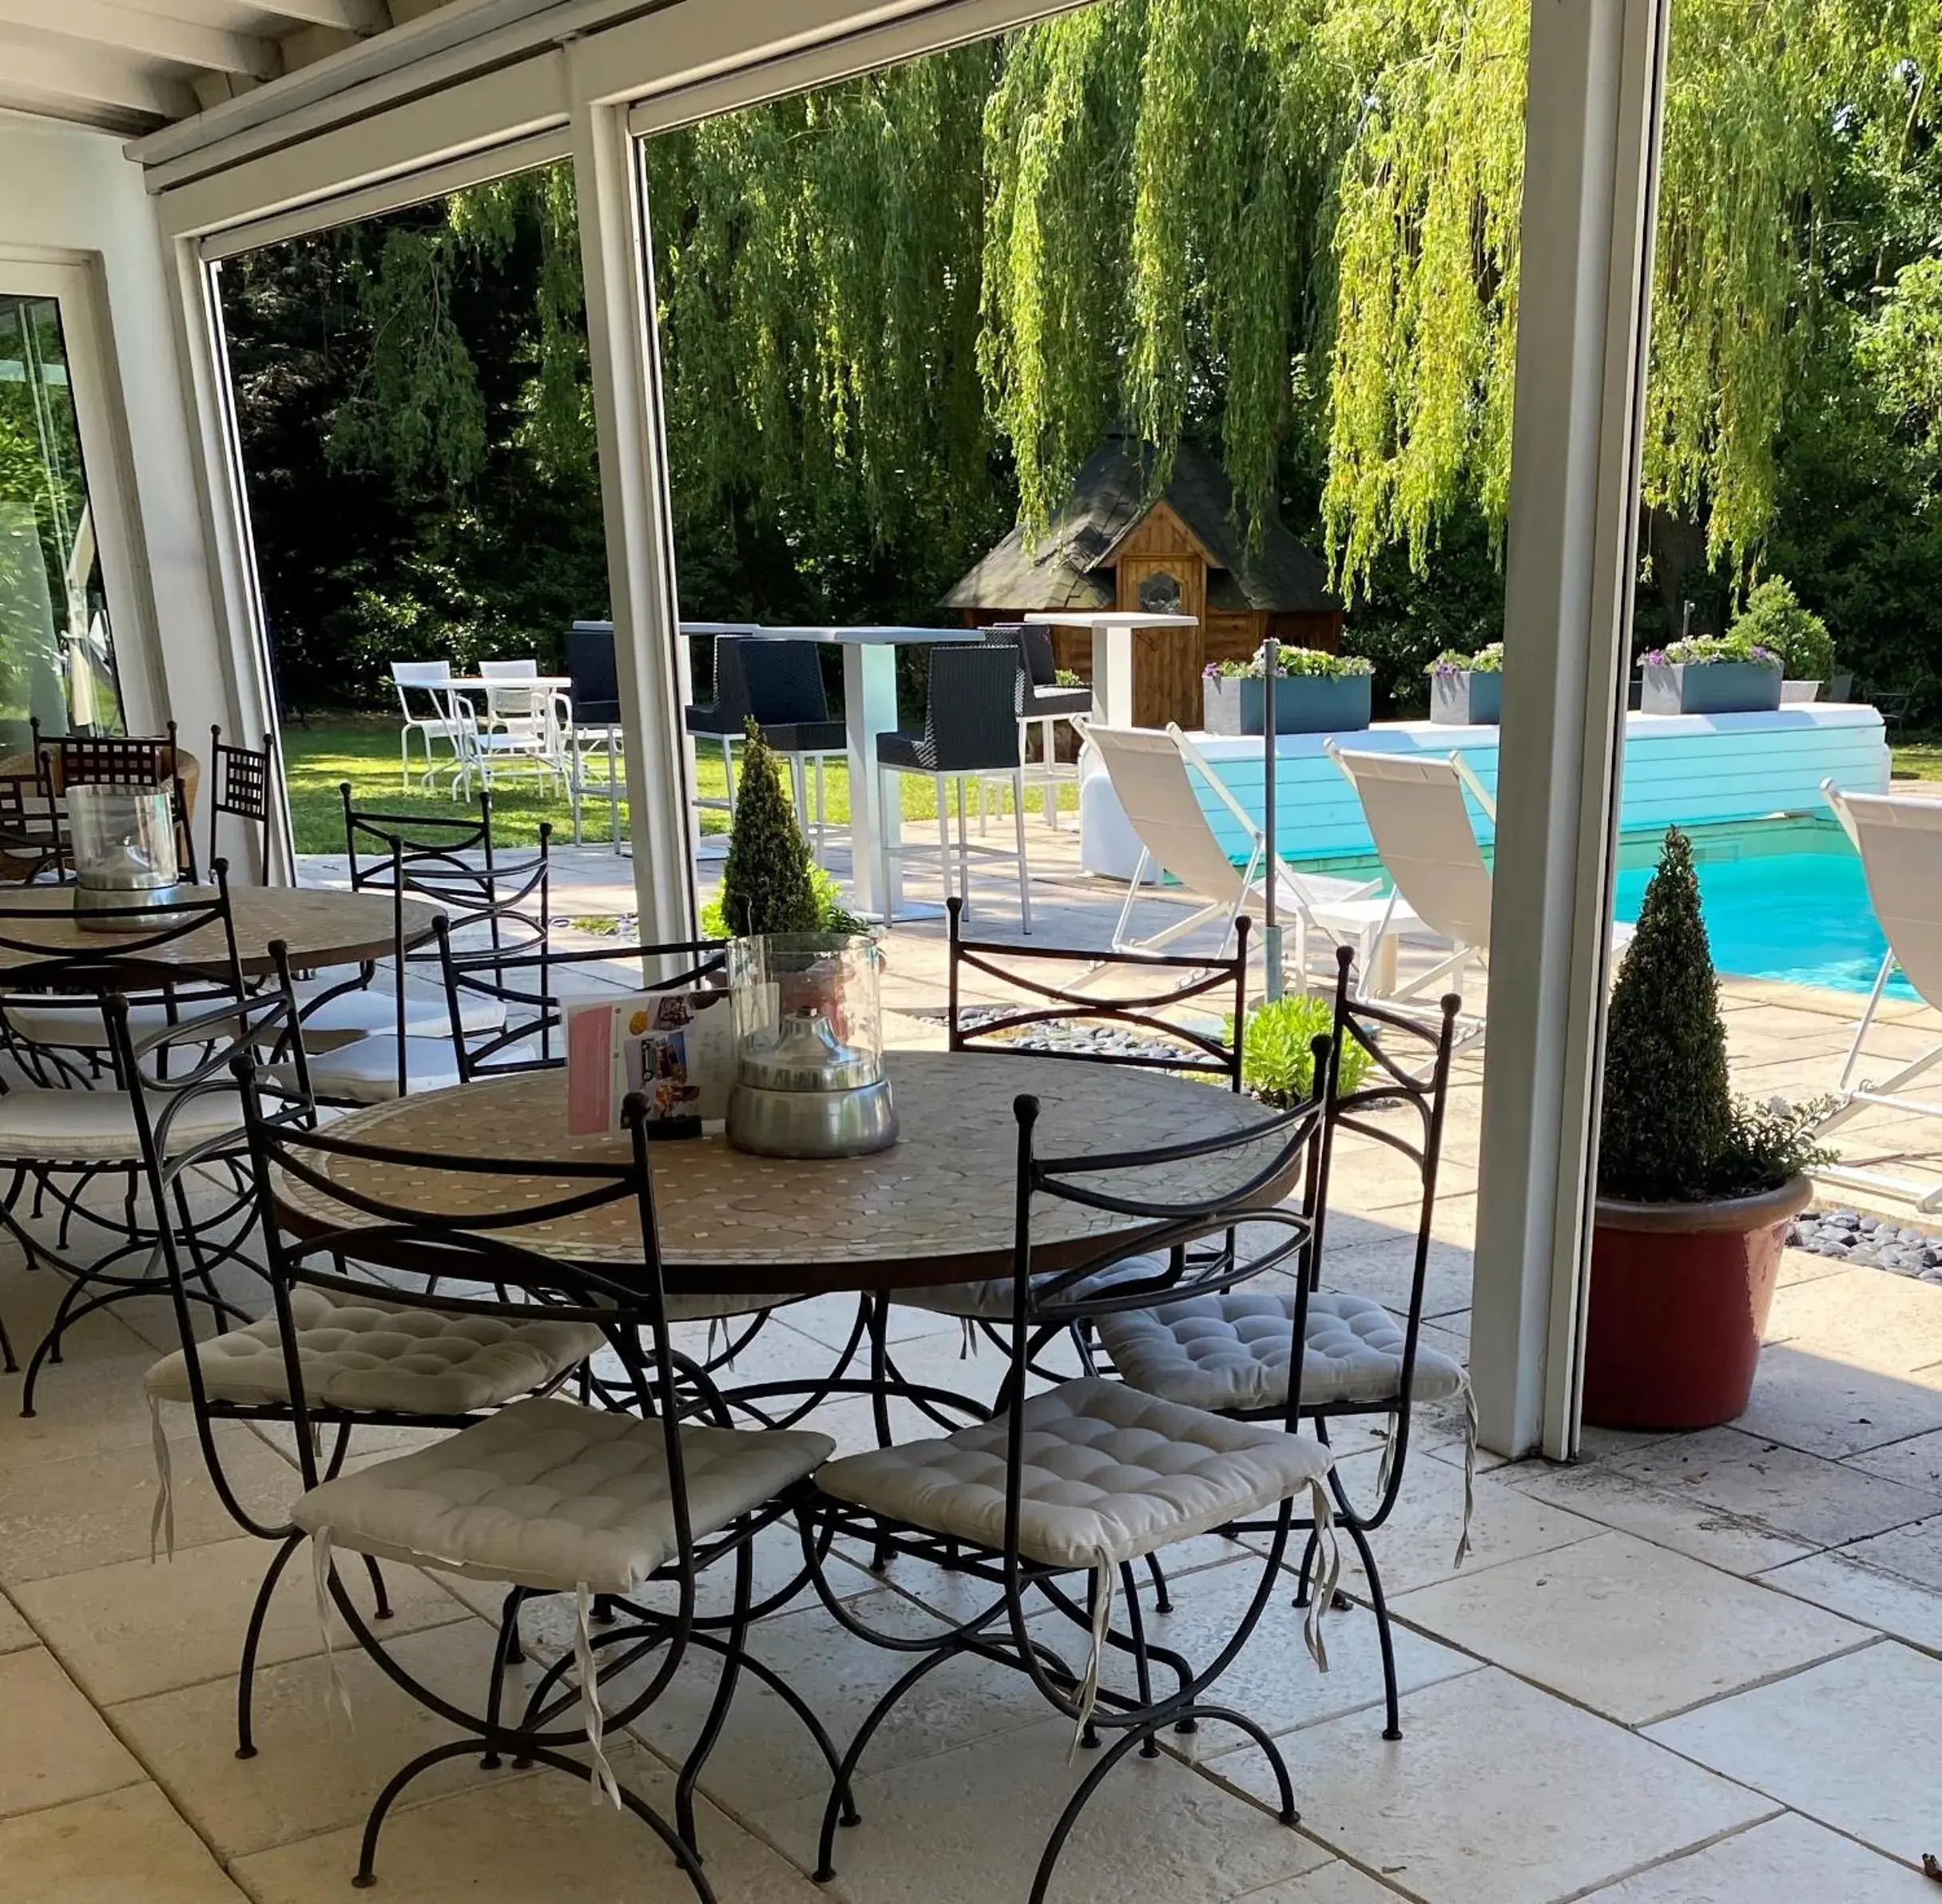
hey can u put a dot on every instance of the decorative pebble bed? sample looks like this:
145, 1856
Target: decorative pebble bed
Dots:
1878, 1242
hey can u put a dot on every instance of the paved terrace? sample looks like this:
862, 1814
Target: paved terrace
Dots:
1692, 1670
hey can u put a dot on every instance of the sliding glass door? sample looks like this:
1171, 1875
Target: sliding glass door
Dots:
57, 646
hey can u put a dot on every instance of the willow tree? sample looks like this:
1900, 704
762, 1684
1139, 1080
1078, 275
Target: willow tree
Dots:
1204, 210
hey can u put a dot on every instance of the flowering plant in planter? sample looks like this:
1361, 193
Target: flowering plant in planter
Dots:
1300, 663
1774, 620
1704, 650
1711, 674
1486, 661
1467, 690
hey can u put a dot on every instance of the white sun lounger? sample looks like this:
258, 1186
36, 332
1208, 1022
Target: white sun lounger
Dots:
1152, 772
1900, 840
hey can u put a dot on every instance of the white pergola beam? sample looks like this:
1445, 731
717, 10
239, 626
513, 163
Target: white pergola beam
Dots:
40, 64
1592, 131
360, 17
157, 36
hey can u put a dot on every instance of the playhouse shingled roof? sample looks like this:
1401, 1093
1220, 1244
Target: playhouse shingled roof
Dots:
1070, 565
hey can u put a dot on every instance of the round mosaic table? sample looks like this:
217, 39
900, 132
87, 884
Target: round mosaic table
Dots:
320, 927
937, 1207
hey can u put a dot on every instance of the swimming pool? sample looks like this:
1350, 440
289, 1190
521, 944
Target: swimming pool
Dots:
1783, 899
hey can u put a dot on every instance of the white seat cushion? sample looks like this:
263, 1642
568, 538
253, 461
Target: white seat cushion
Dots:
367, 1354
550, 1495
374, 1009
39, 1124
365, 1070
1110, 1474
82, 1027
1231, 1351
990, 1302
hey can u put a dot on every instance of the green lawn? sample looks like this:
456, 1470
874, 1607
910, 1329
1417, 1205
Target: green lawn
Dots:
1919, 757
364, 750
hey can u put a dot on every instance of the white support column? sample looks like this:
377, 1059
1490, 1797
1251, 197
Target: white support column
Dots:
1592, 131
653, 663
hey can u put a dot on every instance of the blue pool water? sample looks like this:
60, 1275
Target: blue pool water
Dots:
1784, 900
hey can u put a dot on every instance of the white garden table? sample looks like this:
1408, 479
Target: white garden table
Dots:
1112, 653
870, 708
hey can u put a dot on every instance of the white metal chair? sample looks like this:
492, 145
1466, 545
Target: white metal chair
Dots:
431, 679
1900, 841
1152, 774
536, 739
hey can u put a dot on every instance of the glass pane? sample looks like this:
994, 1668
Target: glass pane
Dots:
56, 655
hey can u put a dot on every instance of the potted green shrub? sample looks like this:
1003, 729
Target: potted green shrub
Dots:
1711, 674
1774, 620
769, 884
1695, 1189
1315, 692
1467, 690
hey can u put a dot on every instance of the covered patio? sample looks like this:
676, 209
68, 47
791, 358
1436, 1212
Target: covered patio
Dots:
1670, 1670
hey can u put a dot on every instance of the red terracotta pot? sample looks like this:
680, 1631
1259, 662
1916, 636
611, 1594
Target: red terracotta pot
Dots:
1679, 1298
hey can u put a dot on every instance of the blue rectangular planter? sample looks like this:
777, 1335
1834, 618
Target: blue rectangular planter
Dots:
1303, 704
1466, 700
1710, 687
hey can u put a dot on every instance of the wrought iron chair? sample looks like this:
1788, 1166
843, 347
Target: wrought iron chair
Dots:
72, 1119
508, 905
238, 785
691, 1496
998, 1502
1232, 1351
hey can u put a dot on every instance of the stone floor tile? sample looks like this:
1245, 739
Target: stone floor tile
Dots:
1416, 1546
766, 1754
1616, 1499
1800, 1496
1788, 1857
1863, 1318
1499, 1793
1916, 1462
1913, 1553
1633, 1631
969, 1826
1882, 1600
1385, 1271
127, 1847
1804, 1266
86, 1405
90, 1510
1815, 1402
527, 1836
1274, 1682
312, 1772
1336, 1883
129, 1630
1853, 1743
58, 1748
14, 1630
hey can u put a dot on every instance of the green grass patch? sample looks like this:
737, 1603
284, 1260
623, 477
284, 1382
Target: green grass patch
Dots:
1918, 758
364, 750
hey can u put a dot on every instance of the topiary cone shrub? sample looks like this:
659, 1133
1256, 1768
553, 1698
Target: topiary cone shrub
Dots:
766, 884
1668, 1117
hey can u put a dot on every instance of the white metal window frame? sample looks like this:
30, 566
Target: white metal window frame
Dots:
581, 80
73, 280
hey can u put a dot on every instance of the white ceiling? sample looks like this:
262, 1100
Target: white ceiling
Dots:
130, 66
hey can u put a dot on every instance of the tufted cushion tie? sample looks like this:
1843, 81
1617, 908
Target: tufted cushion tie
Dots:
364, 1354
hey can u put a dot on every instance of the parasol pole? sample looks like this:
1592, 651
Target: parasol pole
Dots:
1271, 932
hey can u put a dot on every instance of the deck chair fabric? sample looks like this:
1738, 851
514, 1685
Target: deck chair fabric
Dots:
1900, 841
1153, 771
